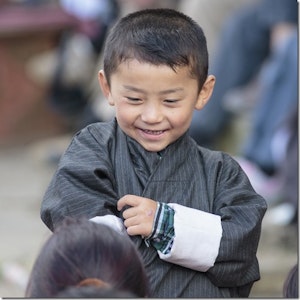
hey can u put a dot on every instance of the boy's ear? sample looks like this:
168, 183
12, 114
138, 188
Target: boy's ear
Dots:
206, 92
105, 87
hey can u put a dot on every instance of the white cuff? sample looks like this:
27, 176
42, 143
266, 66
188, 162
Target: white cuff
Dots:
197, 238
111, 221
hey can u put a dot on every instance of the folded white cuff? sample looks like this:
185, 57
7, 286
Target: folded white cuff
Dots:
111, 221
197, 238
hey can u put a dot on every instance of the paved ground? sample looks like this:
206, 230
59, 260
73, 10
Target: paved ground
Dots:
24, 175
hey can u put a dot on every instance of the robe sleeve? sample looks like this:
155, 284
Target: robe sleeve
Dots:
83, 184
241, 210
222, 243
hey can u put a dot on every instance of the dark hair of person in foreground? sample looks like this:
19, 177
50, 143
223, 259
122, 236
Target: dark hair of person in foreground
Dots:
90, 256
93, 292
290, 287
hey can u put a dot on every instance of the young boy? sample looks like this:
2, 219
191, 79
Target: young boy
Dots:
191, 212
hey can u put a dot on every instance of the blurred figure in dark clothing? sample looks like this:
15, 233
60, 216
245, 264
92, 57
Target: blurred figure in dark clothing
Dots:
246, 42
69, 96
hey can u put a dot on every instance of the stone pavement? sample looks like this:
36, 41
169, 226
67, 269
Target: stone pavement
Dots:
25, 173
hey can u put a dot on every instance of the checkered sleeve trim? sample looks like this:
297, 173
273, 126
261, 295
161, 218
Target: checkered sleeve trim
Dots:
162, 236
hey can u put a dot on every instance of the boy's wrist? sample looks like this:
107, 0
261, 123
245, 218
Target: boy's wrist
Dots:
162, 235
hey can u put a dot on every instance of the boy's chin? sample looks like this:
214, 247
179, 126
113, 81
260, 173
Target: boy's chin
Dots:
152, 147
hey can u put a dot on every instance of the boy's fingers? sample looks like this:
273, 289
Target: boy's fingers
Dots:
133, 230
138, 229
130, 200
129, 213
131, 222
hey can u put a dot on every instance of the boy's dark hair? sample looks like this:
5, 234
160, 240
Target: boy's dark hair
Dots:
81, 249
159, 37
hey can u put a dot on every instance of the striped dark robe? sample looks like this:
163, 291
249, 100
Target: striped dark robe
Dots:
102, 164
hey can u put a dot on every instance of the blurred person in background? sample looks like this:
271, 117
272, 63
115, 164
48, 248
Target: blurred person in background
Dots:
258, 44
269, 154
281, 189
249, 37
211, 14
76, 57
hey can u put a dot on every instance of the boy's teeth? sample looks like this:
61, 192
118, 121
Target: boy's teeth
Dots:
154, 131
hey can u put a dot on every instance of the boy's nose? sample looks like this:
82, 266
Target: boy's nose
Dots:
151, 114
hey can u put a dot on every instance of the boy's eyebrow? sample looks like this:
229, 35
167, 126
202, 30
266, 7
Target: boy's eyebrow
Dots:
134, 89
171, 91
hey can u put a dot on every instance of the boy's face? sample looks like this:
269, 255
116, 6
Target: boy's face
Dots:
154, 104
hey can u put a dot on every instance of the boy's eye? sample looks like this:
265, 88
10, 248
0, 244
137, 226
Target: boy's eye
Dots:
170, 100
133, 99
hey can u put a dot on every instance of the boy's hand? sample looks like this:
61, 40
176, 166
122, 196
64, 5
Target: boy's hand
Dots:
139, 217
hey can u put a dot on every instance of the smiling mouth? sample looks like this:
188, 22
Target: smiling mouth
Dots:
153, 132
